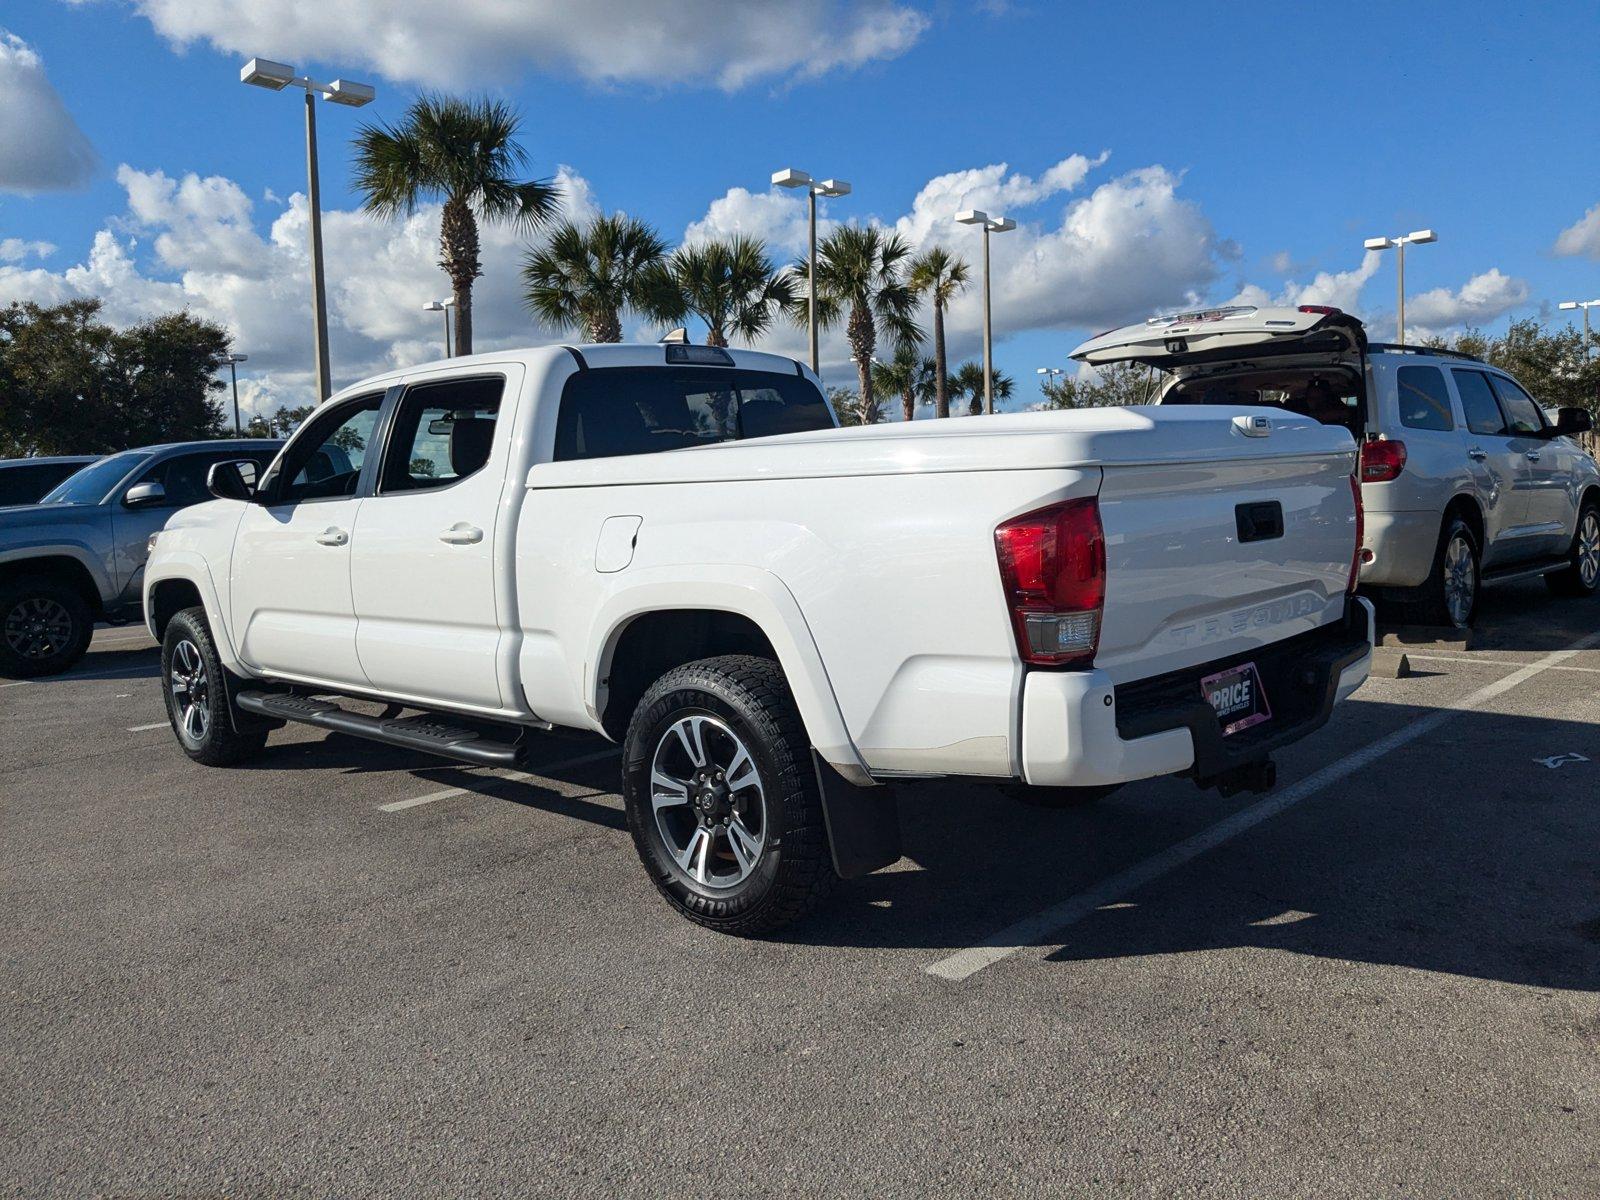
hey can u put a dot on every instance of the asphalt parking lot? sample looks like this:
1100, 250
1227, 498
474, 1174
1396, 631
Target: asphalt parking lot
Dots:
346, 971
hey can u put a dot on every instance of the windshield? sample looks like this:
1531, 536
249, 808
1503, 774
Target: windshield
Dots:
90, 485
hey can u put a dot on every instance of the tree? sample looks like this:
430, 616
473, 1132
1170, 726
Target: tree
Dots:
939, 275
464, 152
968, 382
732, 286
849, 407
586, 276
280, 424
907, 375
861, 276
1111, 386
74, 385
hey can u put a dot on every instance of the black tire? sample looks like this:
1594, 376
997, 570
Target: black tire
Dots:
45, 627
1582, 575
194, 688
1059, 797
1436, 601
727, 703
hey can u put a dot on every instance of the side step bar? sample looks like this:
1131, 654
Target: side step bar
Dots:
1531, 570
412, 733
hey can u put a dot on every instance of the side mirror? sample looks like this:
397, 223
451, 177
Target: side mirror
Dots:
232, 480
1571, 421
144, 495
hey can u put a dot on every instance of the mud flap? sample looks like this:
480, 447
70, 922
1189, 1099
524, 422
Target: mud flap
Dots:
863, 822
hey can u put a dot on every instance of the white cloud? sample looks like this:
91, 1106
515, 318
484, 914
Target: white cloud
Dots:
1341, 289
1478, 301
16, 249
205, 255
605, 41
1582, 237
41, 147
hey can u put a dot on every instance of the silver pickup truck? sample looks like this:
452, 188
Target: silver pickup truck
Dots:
77, 556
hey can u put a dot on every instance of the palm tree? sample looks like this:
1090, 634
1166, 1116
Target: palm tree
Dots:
968, 381
464, 152
862, 271
939, 275
586, 276
732, 286
907, 375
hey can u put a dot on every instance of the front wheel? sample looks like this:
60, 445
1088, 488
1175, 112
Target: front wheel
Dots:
1582, 574
722, 801
195, 689
45, 627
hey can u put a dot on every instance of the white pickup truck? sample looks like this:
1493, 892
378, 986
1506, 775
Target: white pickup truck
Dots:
675, 547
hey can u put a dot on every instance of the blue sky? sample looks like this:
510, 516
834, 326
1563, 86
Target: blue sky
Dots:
1248, 151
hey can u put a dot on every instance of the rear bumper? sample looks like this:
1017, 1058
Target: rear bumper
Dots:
1081, 730
1402, 545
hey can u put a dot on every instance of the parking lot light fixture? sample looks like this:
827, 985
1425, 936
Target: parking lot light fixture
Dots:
443, 306
233, 361
791, 178
989, 224
275, 77
1585, 305
1399, 243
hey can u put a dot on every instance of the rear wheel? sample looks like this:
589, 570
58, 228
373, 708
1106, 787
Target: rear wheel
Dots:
45, 627
1582, 575
721, 798
1450, 595
194, 685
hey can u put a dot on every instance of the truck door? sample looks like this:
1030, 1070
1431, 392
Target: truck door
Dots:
423, 561
290, 581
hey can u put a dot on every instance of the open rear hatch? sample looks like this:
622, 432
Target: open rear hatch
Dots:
1236, 331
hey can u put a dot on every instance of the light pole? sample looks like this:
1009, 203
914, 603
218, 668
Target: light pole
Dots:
233, 361
790, 178
275, 76
974, 216
1400, 243
443, 306
1586, 305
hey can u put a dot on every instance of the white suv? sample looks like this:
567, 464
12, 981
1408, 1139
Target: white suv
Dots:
1465, 481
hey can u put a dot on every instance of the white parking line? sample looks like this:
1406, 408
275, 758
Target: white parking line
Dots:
1490, 662
1034, 930
109, 673
581, 760
146, 728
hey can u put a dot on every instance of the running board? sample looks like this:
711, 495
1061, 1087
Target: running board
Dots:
411, 733
1524, 571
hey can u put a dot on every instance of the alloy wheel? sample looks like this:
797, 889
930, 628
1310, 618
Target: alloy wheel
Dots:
709, 801
191, 690
1589, 548
1460, 579
38, 627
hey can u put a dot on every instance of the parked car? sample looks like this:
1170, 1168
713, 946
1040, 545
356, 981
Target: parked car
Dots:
676, 548
77, 556
25, 480
1465, 480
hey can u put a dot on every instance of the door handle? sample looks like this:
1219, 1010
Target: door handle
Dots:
1477, 455
462, 534
333, 536
1533, 456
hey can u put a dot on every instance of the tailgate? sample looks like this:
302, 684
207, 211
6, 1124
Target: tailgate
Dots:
1212, 559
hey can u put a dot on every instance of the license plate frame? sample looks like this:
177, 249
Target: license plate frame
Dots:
1238, 697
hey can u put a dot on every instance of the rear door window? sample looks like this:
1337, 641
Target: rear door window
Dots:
1424, 399
617, 411
1478, 403
1522, 414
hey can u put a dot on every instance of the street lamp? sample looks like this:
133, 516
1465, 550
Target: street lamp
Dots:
1050, 372
1586, 305
790, 178
275, 76
233, 361
1400, 243
974, 216
443, 306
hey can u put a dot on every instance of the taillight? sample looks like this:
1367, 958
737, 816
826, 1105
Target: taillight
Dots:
1053, 569
1361, 535
1382, 460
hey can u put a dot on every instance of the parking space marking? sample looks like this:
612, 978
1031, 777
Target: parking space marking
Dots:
1034, 931
1491, 662
146, 728
446, 793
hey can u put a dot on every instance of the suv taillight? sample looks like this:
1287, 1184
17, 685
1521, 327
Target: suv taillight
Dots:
1361, 535
1053, 569
1382, 460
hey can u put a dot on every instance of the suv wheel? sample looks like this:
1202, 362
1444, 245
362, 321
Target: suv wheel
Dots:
194, 685
45, 627
1582, 576
1450, 595
721, 799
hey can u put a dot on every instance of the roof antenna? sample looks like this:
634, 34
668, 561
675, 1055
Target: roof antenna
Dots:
678, 337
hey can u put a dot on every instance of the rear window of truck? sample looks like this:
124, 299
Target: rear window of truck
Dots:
609, 412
